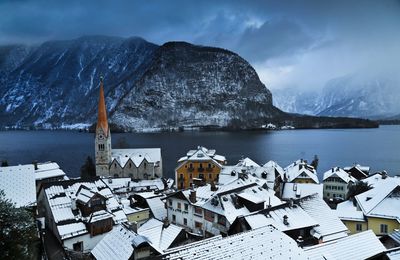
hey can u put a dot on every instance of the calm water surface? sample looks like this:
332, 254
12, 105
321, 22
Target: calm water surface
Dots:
378, 148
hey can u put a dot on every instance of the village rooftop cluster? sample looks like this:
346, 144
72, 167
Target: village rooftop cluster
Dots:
211, 210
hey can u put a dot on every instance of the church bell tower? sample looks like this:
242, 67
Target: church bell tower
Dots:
103, 138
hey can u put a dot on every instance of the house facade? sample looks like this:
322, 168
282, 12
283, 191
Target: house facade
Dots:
198, 167
337, 183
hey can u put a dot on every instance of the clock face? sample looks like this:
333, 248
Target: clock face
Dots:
101, 137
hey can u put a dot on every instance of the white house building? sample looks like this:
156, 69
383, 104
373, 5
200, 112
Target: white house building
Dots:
337, 183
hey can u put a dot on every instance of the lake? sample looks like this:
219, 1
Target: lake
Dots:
378, 148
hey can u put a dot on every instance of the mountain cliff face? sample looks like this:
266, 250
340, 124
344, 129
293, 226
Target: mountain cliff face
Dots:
56, 83
188, 85
349, 96
147, 86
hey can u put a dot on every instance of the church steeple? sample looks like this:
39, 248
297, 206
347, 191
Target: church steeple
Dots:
102, 113
103, 138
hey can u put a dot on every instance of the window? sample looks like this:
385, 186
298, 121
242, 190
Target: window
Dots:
101, 147
179, 205
221, 220
185, 221
170, 203
210, 176
208, 215
358, 227
201, 166
384, 229
201, 176
173, 218
198, 211
186, 207
198, 225
78, 246
209, 165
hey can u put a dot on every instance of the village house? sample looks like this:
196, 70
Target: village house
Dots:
308, 220
300, 172
357, 171
198, 167
336, 183
210, 210
377, 209
291, 190
144, 163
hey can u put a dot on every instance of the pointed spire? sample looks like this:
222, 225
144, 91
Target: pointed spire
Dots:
102, 114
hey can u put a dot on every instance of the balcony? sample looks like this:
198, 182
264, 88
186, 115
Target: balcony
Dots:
190, 169
200, 169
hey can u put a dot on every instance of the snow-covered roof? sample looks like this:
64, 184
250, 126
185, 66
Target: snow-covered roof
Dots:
62, 214
62, 200
381, 201
117, 244
159, 236
347, 211
223, 201
71, 230
48, 170
339, 172
273, 166
247, 162
330, 226
395, 235
202, 154
229, 174
261, 243
300, 190
122, 156
359, 167
18, 184
300, 170
296, 218
357, 247
126, 184
157, 207
393, 254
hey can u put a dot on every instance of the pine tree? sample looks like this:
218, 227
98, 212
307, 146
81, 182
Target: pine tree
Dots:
88, 170
358, 188
18, 236
4, 163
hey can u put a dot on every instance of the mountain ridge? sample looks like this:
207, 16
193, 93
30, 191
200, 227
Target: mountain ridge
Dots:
147, 86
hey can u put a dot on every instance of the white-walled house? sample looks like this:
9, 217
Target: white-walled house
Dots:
337, 183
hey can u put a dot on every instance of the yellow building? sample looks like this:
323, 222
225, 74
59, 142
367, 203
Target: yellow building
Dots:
377, 209
198, 167
300, 172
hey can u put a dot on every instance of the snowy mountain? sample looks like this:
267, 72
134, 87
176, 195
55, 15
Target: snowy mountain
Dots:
147, 86
349, 96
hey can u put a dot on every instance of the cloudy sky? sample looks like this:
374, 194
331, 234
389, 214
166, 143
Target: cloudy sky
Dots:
300, 44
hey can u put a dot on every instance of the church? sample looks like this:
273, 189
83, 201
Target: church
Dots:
144, 163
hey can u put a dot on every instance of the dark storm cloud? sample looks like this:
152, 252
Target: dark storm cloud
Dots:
287, 41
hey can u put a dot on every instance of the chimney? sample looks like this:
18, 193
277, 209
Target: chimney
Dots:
213, 187
192, 196
35, 165
333, 169
384, 174
285, 220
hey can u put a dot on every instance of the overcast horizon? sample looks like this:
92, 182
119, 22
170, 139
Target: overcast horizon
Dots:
290, 44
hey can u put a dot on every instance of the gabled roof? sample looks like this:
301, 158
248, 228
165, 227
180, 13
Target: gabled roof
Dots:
84, 194
202, 154
118, 244
160, 237
48, 170
273, 166
359, 246
330, 226
347, 211
136, 156
297, 218
393, 254
300, 190
381, 201
18, 184
247, 162
298, 168
261, 243
340, 173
